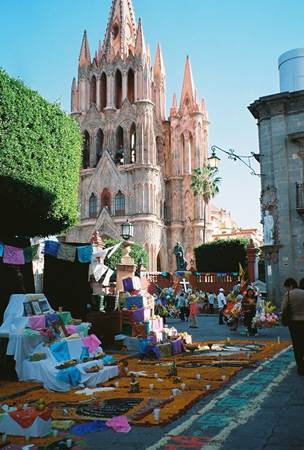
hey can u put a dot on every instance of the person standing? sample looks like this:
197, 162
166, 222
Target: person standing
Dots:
249, 303
194, 310
181, 305
293, 301
187, 306
211, 298
221, 301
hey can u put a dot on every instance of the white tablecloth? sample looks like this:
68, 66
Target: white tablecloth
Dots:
39, 427
44, 372
21, 346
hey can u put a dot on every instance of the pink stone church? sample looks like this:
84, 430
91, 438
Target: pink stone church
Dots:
137, 162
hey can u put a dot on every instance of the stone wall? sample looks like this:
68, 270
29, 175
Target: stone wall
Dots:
281, 139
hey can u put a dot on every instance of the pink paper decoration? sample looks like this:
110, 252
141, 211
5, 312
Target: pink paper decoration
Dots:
36, 322
119, 424
13, 255
92, 342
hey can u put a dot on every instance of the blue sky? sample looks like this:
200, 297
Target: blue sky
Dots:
233, 45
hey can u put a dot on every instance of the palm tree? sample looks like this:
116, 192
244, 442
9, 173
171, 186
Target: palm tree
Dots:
205, 183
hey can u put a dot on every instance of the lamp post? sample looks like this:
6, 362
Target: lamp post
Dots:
126, 268
214, 160
127, 232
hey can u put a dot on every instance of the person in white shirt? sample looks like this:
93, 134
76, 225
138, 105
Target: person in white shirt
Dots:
211, 298
221, 301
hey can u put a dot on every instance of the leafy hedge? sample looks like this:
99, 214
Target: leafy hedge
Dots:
137, 253
221, 256
40, 156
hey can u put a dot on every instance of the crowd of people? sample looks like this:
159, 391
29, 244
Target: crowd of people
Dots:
240, 306
233, 307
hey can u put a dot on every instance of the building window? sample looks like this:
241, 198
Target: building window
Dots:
86, 150
120, 204
133, 143
99, 145
106, 200
118, 89
131, 96
103, 91
93, 90
93, 206
119, 153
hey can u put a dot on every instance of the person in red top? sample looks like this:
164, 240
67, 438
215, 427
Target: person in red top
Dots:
249, 310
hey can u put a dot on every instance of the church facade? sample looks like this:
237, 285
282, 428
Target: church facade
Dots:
137, 162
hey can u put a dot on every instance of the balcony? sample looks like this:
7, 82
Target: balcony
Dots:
300, 198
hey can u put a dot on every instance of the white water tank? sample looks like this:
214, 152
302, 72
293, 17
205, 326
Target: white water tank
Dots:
291, 68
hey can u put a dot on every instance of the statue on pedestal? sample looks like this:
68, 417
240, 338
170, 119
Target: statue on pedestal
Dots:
178, 251
268, 228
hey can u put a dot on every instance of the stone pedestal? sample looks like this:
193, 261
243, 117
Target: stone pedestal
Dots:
251, 258
126, 268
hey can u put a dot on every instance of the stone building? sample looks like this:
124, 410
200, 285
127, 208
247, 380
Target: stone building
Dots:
223, 226
137, 162
281, 139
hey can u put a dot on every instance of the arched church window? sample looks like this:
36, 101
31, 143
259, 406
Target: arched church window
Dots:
133, 143
120, 204
93, 89
106, 200
99, 145
192, 164
120, 152
103, 91
131, 96
93, 206
118, 89
86, 150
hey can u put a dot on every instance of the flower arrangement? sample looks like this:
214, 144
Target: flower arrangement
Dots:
266, 320
233, 310
269, 307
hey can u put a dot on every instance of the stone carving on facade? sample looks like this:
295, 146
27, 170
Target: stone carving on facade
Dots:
269, 203
268, 228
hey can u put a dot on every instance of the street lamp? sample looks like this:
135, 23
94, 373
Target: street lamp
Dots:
127, 230
214, 160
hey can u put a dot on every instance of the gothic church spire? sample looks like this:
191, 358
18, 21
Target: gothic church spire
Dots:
84, 57
120, 35
159, 67
140, 47
188, 91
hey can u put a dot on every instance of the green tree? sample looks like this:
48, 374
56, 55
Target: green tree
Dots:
138, 253
223, 255
205, 183
40, 157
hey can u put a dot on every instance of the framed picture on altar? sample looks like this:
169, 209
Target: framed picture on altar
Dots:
36, 308
44, 307
27, 309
